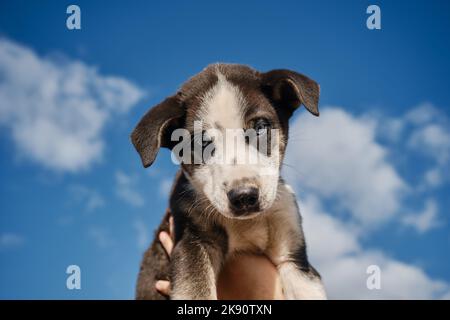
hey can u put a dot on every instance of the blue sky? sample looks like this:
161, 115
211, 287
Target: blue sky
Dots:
373, 187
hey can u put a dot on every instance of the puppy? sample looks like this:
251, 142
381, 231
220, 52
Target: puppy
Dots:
225, 204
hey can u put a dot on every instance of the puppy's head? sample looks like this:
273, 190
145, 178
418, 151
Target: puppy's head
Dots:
228, 127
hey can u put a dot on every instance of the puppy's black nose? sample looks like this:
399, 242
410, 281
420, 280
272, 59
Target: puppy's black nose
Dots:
244, 200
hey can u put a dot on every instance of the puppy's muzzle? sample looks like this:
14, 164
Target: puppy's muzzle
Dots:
243, 200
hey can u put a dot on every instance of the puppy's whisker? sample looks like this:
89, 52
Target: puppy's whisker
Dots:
294, 169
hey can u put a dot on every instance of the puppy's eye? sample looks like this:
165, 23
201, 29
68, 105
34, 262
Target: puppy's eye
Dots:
261, 126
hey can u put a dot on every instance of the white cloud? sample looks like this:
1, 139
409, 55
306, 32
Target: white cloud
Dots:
446, 296
425, 220
425, 130
341, 164
432, 140
56, 110
164, 187
433, 177
422, 114
392, 129
346, 279
91, 199
142, 233
338, 158
10, 240
335, 250
100, 236
329, 237
430, 136
126, 189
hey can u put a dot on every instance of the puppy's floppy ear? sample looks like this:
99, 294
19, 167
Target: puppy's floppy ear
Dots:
155, 128
291, 89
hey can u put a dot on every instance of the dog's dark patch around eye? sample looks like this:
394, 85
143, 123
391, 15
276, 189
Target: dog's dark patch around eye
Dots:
261, 124
264, 143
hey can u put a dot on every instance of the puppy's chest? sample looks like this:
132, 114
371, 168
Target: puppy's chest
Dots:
248, 236
277, 234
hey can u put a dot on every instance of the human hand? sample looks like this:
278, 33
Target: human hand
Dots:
244, 276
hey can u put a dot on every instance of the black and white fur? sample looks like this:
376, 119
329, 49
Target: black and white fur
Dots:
208, 228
